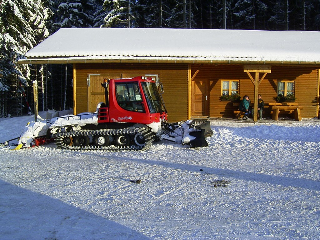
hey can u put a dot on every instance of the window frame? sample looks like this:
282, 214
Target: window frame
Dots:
285, 92
131, 98
230, 90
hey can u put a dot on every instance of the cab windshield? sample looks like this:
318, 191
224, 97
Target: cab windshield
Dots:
153, 97
129, 96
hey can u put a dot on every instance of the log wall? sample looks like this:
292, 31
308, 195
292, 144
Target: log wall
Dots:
179, 97
173, 76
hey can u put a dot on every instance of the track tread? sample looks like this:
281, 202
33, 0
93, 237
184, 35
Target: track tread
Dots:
131, 131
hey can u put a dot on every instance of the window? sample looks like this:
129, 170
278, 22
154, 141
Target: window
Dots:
286, 88
229, 87
129, 97
153, 97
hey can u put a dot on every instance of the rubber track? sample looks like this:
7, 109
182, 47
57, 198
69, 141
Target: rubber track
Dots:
131, 132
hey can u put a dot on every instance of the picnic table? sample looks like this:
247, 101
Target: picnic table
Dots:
286, 107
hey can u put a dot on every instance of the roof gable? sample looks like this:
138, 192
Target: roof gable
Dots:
186, 45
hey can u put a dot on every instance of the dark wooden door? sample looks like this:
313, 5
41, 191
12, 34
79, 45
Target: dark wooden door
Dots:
200, 98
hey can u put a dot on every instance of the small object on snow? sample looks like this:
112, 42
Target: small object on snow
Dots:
201, 169
220, 183
17, 147
136, 181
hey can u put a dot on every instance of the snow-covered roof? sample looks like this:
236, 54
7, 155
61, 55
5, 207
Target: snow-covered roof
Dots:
75, 45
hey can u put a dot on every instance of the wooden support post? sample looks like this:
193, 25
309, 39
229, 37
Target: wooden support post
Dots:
256, 90
74, 83
35, 100
318, 94
190, 78
257, 69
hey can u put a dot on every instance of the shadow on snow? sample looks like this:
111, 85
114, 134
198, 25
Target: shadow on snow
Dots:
242, 175
29, 215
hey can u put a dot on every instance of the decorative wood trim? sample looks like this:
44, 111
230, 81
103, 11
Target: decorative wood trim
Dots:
74, 89
251, 78
195, 74
264, 75
257, 68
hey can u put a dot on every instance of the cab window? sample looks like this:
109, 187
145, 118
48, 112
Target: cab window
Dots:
129, 97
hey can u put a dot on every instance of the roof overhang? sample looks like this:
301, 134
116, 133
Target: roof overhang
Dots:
138, 45
159, 60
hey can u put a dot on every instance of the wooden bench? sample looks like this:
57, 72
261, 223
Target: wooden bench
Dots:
237, 113
290, 109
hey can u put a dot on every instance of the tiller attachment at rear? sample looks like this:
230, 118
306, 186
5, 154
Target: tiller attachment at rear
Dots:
191, 132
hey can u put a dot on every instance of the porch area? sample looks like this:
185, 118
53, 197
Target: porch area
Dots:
273, 110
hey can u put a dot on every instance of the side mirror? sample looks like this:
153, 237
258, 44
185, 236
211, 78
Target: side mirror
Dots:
161, 88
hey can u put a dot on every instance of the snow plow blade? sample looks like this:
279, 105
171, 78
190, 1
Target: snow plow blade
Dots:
200, 139
203, 125
190, 132
203, 130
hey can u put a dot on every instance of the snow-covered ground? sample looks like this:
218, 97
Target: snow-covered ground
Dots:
254, 181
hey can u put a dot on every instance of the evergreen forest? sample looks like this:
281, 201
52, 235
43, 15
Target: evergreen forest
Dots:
25, 23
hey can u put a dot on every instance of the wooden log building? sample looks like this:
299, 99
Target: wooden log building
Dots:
199, 69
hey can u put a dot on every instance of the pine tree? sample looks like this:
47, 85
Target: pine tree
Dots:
173, 14
249, 14
207, 14
118, 13
311, 15
279, 19
74, 13
164, 13
22, 25
98, 13
149, 14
